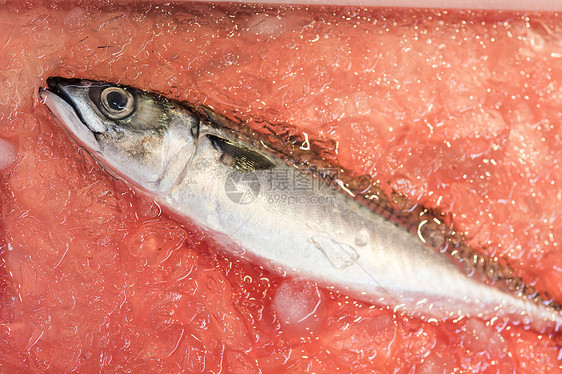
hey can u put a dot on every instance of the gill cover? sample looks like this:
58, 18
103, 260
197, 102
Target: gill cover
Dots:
139, 136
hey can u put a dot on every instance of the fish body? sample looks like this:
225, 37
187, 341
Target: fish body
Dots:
259, 207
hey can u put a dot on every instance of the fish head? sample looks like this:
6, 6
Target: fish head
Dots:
138, 136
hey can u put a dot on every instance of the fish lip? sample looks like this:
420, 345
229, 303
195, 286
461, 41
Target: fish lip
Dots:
54, 84
77, 129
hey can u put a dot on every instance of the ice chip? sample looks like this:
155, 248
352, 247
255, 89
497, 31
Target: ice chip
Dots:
7, 154
341, 255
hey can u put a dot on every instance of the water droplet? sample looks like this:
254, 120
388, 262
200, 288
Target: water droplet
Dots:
404, 194
433, 233
360, 185
362, 238
403, 203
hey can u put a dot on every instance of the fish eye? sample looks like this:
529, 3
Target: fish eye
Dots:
117, 103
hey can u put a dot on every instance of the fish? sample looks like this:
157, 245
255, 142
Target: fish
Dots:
259, 207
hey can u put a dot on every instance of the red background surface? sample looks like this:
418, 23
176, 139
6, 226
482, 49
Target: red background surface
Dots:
458, 110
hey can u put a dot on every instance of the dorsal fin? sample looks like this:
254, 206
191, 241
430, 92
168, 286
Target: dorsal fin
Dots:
239, 157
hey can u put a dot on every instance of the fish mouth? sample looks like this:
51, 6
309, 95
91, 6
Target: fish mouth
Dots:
55, 85
64, 109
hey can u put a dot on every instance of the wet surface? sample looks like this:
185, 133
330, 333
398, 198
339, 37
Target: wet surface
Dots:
457, 111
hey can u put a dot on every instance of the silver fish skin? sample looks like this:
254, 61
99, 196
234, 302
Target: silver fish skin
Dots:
258, 207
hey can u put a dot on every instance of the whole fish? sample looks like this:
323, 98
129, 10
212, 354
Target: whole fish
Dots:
257, 205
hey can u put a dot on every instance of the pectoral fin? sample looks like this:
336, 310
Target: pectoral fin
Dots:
239, 157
